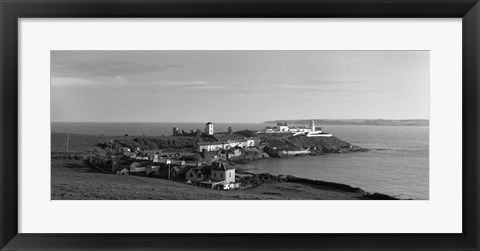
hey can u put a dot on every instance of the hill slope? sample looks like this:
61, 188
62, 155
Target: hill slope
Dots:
74, 180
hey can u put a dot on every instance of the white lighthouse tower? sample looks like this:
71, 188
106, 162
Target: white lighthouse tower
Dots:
312, 125
209, 128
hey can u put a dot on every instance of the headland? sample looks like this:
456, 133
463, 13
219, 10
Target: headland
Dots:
194, 165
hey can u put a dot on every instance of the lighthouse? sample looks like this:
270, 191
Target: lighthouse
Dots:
312, 125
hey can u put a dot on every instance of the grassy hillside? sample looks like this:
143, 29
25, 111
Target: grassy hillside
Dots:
283, 141
74, 180
83, 143
88, 143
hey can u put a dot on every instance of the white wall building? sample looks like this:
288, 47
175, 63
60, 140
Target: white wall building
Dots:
283, 127
309, 131
223, 172
224, 145
219, 172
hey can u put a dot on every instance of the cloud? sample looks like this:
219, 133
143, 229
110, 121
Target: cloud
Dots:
333, 82
61, 67
328, 85
120, 78
99, 82
201, 85
119, 81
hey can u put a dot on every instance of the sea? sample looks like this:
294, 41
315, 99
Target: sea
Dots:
397, 163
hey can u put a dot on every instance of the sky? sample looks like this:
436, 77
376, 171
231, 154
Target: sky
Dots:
238, 86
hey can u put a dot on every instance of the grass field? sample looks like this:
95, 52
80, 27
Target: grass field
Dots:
74, 180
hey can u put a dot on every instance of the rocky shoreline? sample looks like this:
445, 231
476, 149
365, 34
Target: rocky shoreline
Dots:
344, 187
253, 180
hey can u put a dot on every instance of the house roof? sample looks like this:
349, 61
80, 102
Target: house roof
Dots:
163, 161
209, 143
222, 166
140, 163
197, 170
227, 140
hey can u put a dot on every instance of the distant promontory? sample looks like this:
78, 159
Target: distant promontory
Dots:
376, 122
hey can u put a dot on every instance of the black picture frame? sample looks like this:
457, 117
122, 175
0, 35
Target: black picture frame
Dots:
12, 10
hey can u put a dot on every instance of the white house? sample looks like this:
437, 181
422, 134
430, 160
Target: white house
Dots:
225, 145
223, 172
250, 142
219, 172
282, 127
210, 146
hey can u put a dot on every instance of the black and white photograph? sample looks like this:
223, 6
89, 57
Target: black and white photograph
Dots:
239, 124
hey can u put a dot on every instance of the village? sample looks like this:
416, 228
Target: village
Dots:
211, 162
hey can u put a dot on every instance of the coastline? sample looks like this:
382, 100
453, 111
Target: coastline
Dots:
268, 178
83, 144
73, 179
290, 187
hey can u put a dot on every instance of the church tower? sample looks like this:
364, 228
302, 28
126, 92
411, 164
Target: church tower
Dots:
209, 128
312, 125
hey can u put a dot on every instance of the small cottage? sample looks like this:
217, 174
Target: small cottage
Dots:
130, 154
136, 167
196, 174
142, 156
177, 173
223, 172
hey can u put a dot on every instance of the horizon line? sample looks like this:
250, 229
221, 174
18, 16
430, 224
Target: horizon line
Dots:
222, 122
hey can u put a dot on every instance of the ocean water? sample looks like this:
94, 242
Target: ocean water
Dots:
397, 164
399, 167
